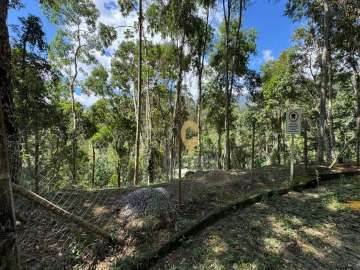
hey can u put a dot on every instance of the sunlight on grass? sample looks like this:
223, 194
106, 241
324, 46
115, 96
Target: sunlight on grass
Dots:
353, 205
333, 204
217, 244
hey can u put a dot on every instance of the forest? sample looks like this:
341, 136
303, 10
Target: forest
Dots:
175, 119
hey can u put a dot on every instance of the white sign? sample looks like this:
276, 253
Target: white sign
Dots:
293, 121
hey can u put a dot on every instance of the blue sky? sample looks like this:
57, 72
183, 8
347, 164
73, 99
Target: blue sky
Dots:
265, 16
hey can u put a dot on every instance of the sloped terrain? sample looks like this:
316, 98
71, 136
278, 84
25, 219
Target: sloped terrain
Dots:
312, 230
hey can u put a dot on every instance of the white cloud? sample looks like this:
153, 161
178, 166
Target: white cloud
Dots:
86, 100
267, 55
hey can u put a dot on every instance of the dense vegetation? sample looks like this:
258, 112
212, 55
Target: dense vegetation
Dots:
240, 112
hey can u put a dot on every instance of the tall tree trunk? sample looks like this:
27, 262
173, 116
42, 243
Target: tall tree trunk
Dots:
176, 125
199, 108
219, 150
118, 171
306, 159
138, 118
13, 146
253, 145
356, 85
331, 133
37, 160
74, 136
323, 138
149, 144
93, 165
227, 12
73, 107
9, 258
278, 148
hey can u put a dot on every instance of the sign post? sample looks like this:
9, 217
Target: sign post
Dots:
293, 127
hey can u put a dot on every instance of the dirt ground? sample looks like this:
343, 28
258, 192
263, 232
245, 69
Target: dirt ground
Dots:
311, 230
47, 242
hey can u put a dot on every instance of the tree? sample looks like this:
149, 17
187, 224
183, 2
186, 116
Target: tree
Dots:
320, 18
200, 45
228, 7
6, 93
214, 102
176, 20
240, 46
73, 44
138, 118
8, 249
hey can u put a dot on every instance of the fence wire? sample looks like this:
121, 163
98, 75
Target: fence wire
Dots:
46, 239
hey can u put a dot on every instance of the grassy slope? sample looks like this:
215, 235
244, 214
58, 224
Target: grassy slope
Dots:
313, 230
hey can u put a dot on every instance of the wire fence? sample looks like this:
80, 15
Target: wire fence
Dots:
45, 239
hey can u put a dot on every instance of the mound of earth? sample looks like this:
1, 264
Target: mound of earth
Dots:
146, 207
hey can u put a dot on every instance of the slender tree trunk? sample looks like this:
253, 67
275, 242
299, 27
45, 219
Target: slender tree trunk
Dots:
332, 138
9, 258
176, 125
149, 144
253, 145
279, 147
74, 136
13, 146
73, 107
219, 150
37, 160
138, 118
199, 109
93, 165
356, 85
118, 171
228, 98
323, 139
306, 159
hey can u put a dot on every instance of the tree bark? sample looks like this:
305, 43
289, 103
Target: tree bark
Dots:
306, 159
253, 145
278, 147
199, 108
36, 157
93, 165
9, 258
73, 109
219, 150
138, 117
323, 139
53, 208
356, 85
228, 97
6, 99
118, 171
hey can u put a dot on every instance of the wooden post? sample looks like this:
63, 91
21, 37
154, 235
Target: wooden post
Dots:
9, 258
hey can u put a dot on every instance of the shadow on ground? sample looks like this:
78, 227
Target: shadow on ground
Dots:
310, 230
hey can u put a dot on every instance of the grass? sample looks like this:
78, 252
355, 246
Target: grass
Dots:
310, 230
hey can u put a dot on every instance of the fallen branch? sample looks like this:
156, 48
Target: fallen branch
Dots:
53, 208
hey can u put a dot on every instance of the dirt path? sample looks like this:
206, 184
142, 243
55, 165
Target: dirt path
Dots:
310, 230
